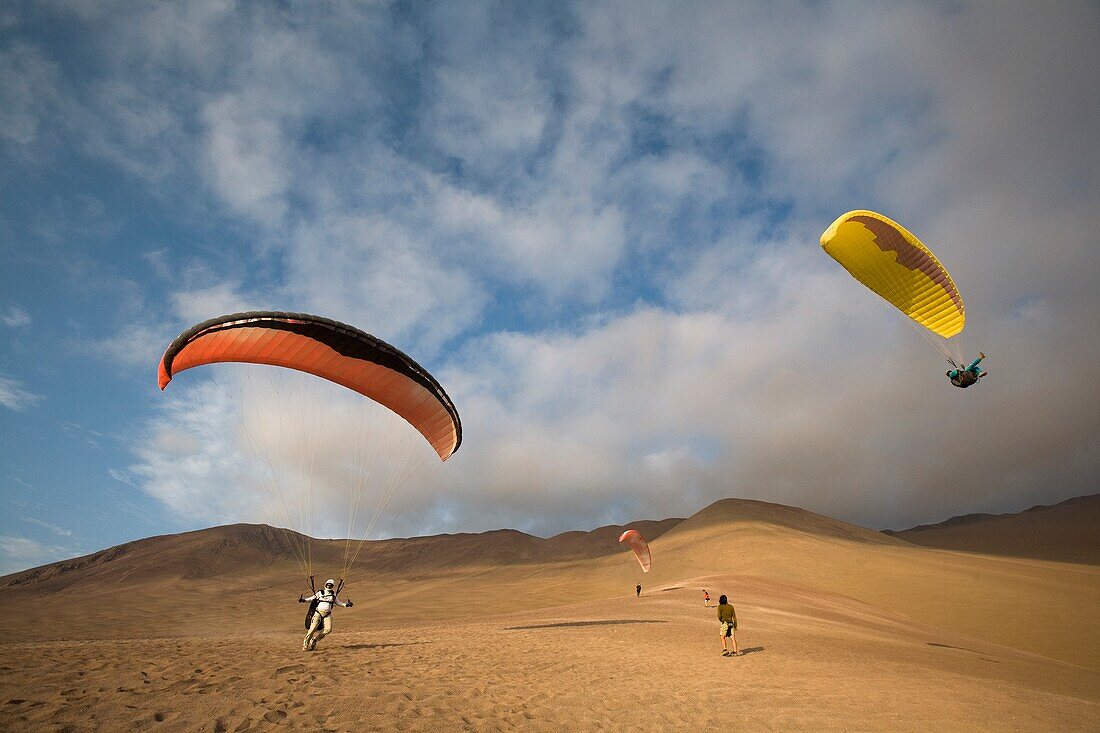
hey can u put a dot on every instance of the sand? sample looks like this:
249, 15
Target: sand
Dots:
812, 663
844, 629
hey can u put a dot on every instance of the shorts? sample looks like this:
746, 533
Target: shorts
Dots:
728, 628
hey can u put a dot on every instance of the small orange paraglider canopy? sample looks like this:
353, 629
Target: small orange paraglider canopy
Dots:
633, 539
328, 349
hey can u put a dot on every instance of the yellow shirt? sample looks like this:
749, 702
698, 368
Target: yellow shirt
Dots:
726, 614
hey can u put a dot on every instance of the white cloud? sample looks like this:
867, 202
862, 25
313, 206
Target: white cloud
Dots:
136, 344
491, 93
158, 261
14, 317
279, 447
195, 306
137, 131
14, 396
20, 553
48, 525
122, 476
27, 92
377, 272
660, 177
246, 157
564, 243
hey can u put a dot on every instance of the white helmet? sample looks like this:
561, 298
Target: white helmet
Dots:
329, 582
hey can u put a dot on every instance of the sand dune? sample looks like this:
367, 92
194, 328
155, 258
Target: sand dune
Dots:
1044, 607
847, 628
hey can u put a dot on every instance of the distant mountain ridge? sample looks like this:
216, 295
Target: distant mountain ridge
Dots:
234, 548
963, 519
1068, 531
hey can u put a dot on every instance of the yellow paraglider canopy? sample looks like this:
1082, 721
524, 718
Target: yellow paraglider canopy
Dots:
888, 259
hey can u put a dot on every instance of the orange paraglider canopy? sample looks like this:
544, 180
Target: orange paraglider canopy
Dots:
634, 540
325, 348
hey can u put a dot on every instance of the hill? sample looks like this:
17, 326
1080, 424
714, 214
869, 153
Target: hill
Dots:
244, 550
1065, 532
184, 584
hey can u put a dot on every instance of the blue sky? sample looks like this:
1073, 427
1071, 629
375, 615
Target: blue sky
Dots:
596, 223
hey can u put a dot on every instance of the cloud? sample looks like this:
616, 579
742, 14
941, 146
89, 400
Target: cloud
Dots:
120, 475
195, 306
376, 271
15, 317
159, 262
14, 396
47, 525
144, 135
20, 553
564, 244
27, 92
598, 224
136, 344
281, 447
88, 436
245, 155
491, 94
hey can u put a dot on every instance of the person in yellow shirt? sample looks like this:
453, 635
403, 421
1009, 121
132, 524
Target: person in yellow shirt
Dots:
727, 617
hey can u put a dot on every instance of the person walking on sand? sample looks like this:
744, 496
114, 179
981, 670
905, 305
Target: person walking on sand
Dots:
638, 590
727, 617
320, 625
706, 598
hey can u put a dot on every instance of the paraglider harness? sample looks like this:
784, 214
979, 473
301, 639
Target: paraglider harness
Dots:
961, 376
315, 600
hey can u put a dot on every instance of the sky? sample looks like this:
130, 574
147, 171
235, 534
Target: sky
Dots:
595, 223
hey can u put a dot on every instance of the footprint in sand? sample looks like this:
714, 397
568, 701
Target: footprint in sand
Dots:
291, 668
274, 716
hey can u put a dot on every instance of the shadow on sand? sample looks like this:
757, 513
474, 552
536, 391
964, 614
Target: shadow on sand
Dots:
751, 650
962, 649
948, 646
567, 624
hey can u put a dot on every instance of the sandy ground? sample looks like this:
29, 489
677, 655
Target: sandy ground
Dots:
813, 661
844, 629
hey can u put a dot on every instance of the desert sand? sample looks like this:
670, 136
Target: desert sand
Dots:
844, 628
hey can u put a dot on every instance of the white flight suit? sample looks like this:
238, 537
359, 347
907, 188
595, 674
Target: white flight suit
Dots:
322, 618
